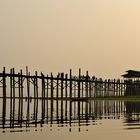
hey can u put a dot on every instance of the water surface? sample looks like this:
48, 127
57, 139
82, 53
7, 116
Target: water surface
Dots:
64, 119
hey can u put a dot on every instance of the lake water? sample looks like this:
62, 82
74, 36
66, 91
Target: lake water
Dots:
72, 120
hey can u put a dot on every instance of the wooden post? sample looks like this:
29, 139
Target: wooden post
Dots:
66, 85
74, 88
91, 86
105, 92
51, 98
47, 90
79, 80
4, 83
114, 88
28, 83
57, 92
70, 98
34, 82
36, 98
95, 88
13, 83
90, 90
70, 83
21, 84
4, 99
57, 86
87, 88
19, 106
28, 96
82, 89
13, 96
43, 96
62, 78
124, 88
119, 86
51, 86
108, 88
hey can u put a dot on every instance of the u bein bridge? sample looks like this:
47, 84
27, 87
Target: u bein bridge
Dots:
64, 86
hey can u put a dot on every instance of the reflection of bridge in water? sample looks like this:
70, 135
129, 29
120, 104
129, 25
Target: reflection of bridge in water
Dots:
21, 113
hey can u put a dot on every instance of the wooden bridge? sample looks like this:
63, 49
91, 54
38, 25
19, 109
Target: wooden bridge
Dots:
62, 86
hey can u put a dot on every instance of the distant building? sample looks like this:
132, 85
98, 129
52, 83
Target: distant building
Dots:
132, 80
132, 74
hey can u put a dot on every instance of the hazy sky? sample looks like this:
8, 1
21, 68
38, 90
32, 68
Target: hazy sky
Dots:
102, 36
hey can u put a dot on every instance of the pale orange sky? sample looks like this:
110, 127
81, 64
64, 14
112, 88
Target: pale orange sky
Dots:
101, 36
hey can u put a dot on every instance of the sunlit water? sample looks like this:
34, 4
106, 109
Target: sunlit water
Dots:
62, 119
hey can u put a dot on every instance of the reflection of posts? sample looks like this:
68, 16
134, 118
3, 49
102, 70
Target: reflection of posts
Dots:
81, 113
70, 117
4, 113
86, 112
132, 111
51, 115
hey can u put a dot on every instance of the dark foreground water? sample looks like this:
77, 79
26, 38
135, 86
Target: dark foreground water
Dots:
72, 120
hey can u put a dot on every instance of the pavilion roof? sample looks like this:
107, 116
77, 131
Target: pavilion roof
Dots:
132, 74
